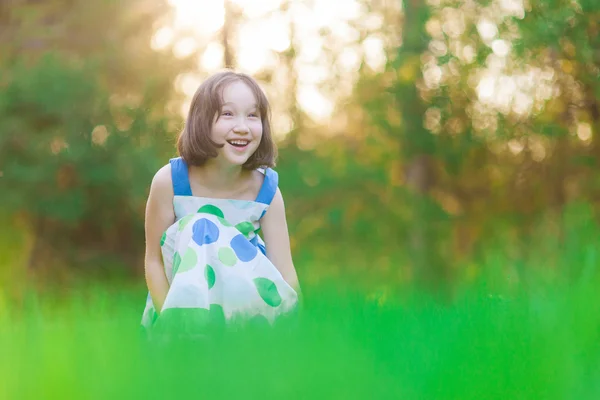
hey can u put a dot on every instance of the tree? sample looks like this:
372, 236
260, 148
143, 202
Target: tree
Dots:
84, 125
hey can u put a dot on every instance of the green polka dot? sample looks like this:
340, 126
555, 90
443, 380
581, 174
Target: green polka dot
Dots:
176, 262
209, 272
268, 291
189, 260
227, 256
210, 209
184, 221
245, 228
163, 238
224, 221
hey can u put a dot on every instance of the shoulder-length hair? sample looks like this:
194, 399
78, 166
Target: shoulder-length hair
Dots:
195, 145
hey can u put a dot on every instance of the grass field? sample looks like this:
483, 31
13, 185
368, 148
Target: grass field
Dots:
539, 344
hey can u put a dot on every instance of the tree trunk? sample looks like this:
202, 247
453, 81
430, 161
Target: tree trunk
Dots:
289, 57
226, 36
417, 148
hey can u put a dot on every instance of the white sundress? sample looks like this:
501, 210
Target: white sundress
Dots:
216, 262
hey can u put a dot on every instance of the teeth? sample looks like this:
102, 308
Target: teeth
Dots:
240, 142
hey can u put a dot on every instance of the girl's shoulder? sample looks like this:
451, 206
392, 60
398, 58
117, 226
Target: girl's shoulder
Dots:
173, 177
257, 179
164, 173
162, 179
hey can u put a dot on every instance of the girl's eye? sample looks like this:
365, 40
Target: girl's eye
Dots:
254, 115
227, 113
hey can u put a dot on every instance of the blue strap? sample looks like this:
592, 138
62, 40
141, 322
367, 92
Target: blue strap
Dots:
269, 187
180, 177
260, 246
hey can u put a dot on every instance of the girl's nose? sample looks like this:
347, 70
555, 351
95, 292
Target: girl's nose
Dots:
241, 127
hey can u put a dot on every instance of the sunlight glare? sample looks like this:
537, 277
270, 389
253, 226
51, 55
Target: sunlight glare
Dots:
487, 29
438, 48
188, 83
506, 89
281, 124
302, 16
454, 22
162, 38
200, 16
349, 59
327, 13
185, 47
513, 7
584, 131
522, 104
251, 57
276, 34
432, 76
212, 58
485, 89
468, 54
257, 9
515, 146
185, 107
500, 47
311, 100
314, 74
311, 49
537, 149
373, 22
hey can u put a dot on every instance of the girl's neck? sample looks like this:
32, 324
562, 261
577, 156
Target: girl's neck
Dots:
215, 176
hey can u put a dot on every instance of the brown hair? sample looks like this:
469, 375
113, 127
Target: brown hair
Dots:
195, 145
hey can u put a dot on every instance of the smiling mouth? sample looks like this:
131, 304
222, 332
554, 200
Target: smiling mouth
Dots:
238, 143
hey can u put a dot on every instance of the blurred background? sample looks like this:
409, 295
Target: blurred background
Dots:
421, 143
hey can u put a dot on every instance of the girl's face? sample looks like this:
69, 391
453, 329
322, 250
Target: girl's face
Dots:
239, 124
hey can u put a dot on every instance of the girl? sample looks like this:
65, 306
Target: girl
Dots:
204, 259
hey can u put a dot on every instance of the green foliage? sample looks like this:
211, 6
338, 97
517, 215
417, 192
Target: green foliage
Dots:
64, 158
478, 163
85, 123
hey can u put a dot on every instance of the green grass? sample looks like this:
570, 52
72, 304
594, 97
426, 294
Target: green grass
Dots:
539, 344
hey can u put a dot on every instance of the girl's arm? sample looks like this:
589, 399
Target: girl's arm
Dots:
159, 216
277, 241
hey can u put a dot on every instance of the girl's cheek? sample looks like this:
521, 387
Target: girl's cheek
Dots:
257, 128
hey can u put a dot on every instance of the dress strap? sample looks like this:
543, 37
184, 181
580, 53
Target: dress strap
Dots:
180, 177
269, 187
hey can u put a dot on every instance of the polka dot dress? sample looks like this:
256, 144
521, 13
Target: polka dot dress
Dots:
216, 262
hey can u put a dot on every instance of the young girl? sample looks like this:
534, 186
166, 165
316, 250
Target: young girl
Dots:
204, 258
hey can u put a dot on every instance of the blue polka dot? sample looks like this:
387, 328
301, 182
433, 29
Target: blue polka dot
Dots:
205, 232
244, 250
